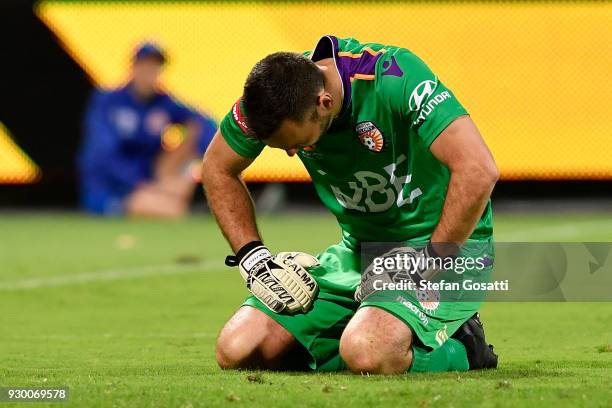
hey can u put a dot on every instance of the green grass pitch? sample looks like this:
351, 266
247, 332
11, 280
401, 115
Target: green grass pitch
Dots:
126, 314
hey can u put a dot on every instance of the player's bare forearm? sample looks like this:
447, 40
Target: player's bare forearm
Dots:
473, 176
226, 193
232, 207
464, 205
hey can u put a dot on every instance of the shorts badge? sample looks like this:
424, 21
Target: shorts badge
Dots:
429, 299
370, 136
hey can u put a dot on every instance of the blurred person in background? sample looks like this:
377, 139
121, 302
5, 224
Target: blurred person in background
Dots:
124, 166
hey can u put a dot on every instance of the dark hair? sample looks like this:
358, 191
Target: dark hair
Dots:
284, 85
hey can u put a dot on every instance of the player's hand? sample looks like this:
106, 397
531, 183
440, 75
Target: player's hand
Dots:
420, 268
281, 282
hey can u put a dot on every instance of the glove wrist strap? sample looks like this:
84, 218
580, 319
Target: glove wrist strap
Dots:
249, 255
451, 250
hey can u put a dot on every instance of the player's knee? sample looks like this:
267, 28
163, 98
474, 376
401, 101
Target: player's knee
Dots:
246, 350
251, 339
360, 354
355, 351
376, 342
364, 353
233, 351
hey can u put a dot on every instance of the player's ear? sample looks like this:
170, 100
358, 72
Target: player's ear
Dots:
325, 102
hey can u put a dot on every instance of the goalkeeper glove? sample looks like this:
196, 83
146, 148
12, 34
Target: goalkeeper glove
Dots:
419, 269
280, 282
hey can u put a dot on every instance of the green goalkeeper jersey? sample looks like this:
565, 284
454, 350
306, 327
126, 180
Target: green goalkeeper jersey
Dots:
373, 168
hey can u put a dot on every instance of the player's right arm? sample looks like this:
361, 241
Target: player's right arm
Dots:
280, 282
227, 196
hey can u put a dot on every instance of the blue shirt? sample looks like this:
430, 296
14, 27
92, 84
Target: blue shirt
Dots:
122, 138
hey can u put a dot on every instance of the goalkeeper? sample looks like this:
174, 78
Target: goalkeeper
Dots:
395, 157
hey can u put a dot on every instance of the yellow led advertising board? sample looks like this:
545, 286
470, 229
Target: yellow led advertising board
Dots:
535, 76
15, 166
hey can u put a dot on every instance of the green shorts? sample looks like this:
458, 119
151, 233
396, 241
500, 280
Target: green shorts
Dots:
338, 276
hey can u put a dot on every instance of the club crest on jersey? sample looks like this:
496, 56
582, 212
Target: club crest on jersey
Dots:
370, 136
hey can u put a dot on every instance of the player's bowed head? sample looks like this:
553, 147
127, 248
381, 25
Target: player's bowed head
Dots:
290, 101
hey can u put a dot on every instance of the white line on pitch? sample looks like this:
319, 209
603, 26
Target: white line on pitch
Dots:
109, 275
80, 337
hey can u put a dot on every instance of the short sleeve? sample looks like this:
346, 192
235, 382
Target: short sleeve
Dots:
235, 132
418, 95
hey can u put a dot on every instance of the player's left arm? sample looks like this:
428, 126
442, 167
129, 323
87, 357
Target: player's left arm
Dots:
473, 175
435, 117
438, 119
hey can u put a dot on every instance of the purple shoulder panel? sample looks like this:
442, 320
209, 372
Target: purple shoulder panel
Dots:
360, 65
350, 66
